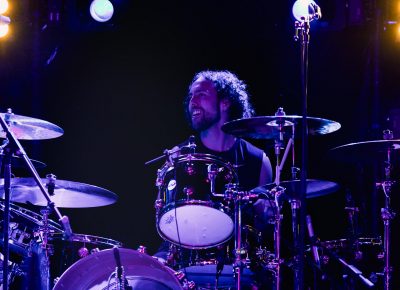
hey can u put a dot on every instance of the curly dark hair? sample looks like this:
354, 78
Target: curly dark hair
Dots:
228, 86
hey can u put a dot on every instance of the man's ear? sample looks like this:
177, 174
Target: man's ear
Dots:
225, 104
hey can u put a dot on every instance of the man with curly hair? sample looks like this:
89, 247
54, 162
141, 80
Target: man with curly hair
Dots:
214, 98
217, 97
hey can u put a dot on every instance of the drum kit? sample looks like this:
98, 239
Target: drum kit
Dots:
200, 214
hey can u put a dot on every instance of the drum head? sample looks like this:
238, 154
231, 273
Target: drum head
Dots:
98, 271
196, 226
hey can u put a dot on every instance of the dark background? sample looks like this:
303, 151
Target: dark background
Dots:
116, 89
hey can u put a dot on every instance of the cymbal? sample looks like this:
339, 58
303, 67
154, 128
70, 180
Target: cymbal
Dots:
67, 194
365, 151
315, 188
27, 128
267, 127
18, 162
370, 146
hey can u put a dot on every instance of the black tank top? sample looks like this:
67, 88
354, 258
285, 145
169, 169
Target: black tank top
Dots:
245, 158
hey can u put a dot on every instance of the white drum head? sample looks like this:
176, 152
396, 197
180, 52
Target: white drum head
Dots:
196, 226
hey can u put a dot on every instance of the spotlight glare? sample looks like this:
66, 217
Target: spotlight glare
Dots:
3, 6
306, 10
101, 10
3, 29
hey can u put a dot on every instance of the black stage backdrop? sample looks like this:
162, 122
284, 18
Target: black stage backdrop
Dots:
116, 89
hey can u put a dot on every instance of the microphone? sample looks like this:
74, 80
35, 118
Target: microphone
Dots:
313, 240
212, 171
191, 144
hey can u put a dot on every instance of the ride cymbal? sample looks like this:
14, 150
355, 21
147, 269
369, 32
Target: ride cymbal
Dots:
269, 127
27, 128
67, 194
315, 188
365, 150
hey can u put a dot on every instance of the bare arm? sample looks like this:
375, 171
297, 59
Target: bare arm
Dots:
266, 171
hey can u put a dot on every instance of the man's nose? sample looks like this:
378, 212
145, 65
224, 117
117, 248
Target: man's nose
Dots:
193, 101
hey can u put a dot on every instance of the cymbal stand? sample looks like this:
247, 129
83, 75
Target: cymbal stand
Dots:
277, 191
14, 147
232, 193
387, 214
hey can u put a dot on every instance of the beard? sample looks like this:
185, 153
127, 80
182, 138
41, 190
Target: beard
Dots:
205, 121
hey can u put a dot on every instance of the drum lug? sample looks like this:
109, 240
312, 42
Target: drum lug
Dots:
187, 285
142, 249
158, 204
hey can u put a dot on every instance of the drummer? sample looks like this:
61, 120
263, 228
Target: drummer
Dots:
217, 97
214, 98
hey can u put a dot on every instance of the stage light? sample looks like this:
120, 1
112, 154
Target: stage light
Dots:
101, 10
4, 25
3, 6
306, 10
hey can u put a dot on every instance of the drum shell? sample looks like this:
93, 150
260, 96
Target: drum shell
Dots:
66, 251
188, 183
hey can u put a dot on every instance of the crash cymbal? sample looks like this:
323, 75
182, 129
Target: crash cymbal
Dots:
27, 128
367, 148
315, 188
267, 127
68, 194
18, 162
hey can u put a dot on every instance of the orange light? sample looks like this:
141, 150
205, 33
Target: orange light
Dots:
3, 6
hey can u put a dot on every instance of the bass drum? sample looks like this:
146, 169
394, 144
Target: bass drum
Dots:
191, 210
66, 251
99, 272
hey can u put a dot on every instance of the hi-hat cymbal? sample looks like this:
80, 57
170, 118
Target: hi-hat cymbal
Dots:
315, 188
268, 127
18, 162
27, 128
67, 194
366, 150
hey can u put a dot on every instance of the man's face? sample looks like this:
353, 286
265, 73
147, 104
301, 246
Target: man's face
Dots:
204, 106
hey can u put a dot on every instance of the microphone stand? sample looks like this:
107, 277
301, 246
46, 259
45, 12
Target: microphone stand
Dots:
13, 147
302, 29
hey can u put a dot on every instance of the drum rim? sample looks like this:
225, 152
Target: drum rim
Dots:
85, 238
168, 166
32, 216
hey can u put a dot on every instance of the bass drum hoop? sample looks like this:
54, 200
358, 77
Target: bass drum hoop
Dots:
94, 272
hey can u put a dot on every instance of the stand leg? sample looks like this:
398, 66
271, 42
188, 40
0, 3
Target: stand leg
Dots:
238, 267
6, 219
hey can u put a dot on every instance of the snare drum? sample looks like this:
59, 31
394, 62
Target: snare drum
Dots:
99, 271
24, 228
66, 251
191, 211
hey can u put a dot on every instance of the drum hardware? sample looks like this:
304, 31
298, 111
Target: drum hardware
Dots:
169, 155
368, 150
14, 128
